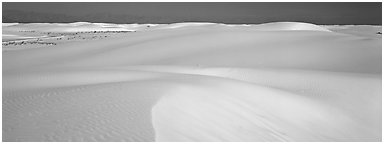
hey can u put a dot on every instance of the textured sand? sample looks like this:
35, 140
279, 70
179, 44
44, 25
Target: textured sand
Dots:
282, 81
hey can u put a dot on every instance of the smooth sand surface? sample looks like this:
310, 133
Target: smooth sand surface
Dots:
283, 81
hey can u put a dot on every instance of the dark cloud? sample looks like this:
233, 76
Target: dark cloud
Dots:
167, 12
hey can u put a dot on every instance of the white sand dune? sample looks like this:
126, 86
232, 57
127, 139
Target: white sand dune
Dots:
57, 27
7, 37
358, 30
284, 81
279, 26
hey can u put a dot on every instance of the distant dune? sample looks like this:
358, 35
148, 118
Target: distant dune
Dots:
283, 81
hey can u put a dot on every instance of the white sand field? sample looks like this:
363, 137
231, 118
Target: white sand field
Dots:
283, 81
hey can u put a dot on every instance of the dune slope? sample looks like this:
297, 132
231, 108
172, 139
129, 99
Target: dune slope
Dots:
283, 81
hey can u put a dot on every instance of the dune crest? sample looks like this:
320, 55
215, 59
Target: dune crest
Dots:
284, 26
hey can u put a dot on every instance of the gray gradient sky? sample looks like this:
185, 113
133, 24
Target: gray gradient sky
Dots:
256, 12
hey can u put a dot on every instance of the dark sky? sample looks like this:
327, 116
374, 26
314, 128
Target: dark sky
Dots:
254, 12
